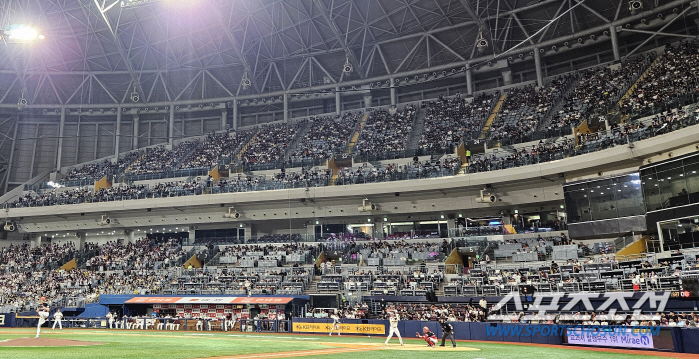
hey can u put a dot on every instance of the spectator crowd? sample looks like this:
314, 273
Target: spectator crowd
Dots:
386, 132
525, 108
449, 121
326, 136
668, 81
596, 92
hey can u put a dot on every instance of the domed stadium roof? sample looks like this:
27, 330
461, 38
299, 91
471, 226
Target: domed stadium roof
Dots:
100, 51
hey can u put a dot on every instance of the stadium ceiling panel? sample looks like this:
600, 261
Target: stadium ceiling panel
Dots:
170, 50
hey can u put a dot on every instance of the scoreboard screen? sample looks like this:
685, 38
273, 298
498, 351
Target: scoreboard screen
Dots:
690, 289
325, 301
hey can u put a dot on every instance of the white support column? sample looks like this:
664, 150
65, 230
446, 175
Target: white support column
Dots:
338, 101
35, 241
12, 155
368, 98
224, 117
81, 240
286, 108
235, 115
393, 92
661, 240
61, 128
136, 125
97, 142
469, 81
507, 76
615, 42
537, 65
451, 226
118, 133
77, 142
36, 142
171, 133
248, 232
192, 236
131, 236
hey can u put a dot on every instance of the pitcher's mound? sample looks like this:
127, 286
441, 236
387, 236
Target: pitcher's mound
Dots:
44, 342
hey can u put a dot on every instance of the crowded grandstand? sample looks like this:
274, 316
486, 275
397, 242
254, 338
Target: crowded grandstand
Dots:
464, 185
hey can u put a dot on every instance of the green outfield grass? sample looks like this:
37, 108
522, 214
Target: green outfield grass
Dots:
185, 345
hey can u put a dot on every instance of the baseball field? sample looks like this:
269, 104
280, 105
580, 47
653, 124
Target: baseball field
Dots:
19, 343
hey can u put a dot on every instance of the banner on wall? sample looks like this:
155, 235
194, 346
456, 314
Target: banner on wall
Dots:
210, 300
618, 339
375, 329
7, 319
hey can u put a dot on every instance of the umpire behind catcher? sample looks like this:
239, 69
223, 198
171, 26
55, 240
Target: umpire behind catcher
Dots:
447, 331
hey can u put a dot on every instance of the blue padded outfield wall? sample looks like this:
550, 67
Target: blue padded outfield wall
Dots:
7, 320
462, 330
684, 340
94, 311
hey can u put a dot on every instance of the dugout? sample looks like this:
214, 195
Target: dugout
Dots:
214, 307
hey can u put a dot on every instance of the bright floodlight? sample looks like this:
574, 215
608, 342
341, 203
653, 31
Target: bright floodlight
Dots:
22, 33
128, 3
183, 3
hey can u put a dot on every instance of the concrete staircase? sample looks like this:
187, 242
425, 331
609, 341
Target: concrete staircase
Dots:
312, 288
633, 87
557, 106
355, 136
463, 167
418, 127
491, 118
332, 180
439, 292
242, 150
128, 169
295, 143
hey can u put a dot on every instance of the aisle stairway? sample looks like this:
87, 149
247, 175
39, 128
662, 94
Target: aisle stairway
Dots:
633, 87
463, 167
128, 169
355, 136
242, 150
312, 288
557, 105
440, 290
296, 142
418, 127
491, 118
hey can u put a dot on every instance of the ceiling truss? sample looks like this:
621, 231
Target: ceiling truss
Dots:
97, 52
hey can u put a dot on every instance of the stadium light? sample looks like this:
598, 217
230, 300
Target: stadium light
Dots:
130, 3
54, 184
21, 33
176, 3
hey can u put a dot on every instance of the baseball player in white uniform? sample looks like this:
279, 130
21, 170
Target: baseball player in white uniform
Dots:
110, 319
230, 323
336, 325
57, 317
43, 313
394, 328
200, 324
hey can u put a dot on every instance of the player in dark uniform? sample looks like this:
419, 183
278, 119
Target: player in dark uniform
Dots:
447, 331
